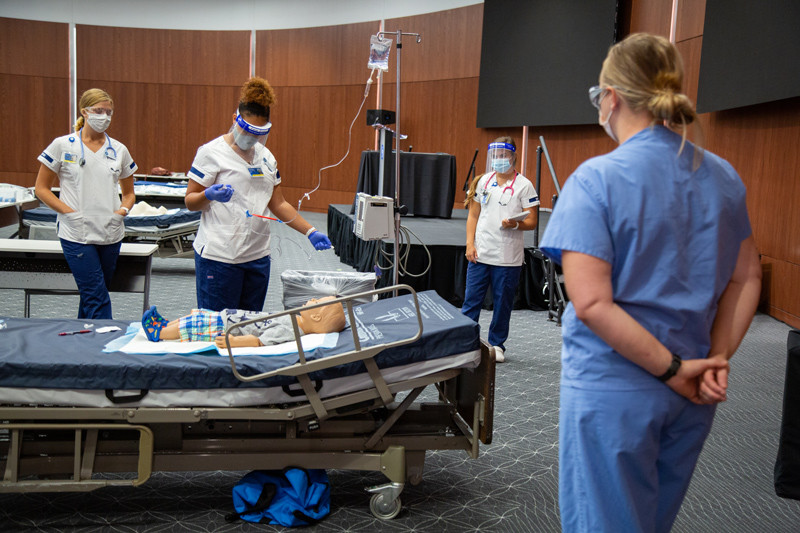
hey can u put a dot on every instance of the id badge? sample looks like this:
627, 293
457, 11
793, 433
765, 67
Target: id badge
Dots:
69, 158
483, 197
255, 172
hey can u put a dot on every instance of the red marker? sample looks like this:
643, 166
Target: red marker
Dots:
75, 332
249, 214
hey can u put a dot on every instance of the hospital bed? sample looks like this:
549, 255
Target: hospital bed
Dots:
172, 232
70, 411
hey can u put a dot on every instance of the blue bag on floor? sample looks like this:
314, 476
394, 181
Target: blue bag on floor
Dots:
292, 497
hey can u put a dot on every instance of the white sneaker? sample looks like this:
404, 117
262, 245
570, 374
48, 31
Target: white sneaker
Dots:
499, 355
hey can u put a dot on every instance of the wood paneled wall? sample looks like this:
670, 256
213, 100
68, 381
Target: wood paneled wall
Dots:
761, 142
175, 90
34, 84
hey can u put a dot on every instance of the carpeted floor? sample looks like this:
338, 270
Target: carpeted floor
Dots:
512, 486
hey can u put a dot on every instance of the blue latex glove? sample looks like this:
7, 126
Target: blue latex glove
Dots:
219, 192
319, 240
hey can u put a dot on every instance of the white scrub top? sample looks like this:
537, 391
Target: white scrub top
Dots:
226, 233
92, 190
496, 246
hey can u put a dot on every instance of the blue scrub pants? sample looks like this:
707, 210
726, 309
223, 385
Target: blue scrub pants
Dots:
504, 281
626, 457
231, 286
92, 267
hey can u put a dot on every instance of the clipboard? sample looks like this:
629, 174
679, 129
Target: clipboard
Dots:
519, 217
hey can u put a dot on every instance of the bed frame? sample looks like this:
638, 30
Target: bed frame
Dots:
51, 448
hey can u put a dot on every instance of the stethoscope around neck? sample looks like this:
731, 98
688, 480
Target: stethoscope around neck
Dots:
82, 160
506, 188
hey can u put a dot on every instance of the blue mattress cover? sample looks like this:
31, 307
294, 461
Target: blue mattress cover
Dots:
32, 354
45, 214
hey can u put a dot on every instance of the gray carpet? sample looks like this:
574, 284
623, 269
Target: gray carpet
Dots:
512, 486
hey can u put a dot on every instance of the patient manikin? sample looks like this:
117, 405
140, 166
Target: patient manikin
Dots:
204, 325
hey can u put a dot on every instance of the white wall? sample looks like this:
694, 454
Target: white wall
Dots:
221, 14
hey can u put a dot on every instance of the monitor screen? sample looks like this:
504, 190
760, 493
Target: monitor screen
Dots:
750, 53
539, 58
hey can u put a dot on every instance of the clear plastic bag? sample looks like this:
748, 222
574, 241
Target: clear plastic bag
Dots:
299, 286
379, 53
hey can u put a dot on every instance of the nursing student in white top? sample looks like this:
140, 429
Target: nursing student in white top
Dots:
90, 168
235, 183
501, 206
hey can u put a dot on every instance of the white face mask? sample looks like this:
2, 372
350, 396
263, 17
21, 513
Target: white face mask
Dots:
607, 126
244, 141
98, 123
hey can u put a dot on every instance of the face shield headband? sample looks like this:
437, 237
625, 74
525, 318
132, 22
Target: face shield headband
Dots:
500, 157
257, 134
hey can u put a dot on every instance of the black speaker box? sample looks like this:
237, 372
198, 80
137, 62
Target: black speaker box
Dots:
380, 116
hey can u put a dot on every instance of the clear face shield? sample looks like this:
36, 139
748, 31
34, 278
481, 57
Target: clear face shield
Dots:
247, 135
501, 158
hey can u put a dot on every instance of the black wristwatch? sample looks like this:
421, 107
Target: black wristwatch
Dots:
673, 368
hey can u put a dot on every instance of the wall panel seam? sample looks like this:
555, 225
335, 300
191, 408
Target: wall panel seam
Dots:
690, 39
780, 260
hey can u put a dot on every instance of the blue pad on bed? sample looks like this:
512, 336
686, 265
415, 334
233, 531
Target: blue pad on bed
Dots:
32, 353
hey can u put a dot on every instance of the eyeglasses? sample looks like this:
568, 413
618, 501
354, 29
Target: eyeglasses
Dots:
99, 110
596, 94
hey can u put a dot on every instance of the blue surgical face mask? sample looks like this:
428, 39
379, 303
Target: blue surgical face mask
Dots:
501, 165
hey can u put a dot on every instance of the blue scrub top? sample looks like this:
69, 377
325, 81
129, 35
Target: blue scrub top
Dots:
672, 237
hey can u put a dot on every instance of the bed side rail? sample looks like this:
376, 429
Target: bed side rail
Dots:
305, 367
473, 395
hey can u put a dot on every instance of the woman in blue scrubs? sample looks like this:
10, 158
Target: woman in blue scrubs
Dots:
664, 278
91, 168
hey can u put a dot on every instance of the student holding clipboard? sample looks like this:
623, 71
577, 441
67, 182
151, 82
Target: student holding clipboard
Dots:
500, 203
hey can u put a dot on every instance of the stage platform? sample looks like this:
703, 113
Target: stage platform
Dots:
446, 241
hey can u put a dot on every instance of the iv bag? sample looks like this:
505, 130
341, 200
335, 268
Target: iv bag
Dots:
379, 53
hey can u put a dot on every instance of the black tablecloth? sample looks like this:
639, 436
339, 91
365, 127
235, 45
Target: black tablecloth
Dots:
427, 181
448, 265
787, 465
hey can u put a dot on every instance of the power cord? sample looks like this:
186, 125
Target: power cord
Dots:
404, 251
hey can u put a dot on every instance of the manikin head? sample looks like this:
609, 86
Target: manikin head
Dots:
326, 319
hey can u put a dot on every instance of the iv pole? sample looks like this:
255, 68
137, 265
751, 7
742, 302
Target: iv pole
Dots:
399, 45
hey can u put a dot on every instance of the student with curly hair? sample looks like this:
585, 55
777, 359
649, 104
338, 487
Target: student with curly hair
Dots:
235, 183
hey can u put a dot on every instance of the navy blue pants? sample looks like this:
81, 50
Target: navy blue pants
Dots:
231, 286
92, 267
504, 281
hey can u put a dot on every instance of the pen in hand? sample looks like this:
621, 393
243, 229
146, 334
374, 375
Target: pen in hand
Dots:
74, 332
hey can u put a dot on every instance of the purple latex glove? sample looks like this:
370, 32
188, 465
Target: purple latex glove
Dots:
319, 240
219, 192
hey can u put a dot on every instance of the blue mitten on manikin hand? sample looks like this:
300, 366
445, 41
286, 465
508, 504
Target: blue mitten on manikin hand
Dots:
319, 240
219, 192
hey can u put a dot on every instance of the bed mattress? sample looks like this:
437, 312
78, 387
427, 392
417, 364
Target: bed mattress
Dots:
39, 366
175, 218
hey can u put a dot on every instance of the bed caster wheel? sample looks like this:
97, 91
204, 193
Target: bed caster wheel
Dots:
383, 508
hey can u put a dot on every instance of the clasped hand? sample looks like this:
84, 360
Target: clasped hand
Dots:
703, 381
219, 192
